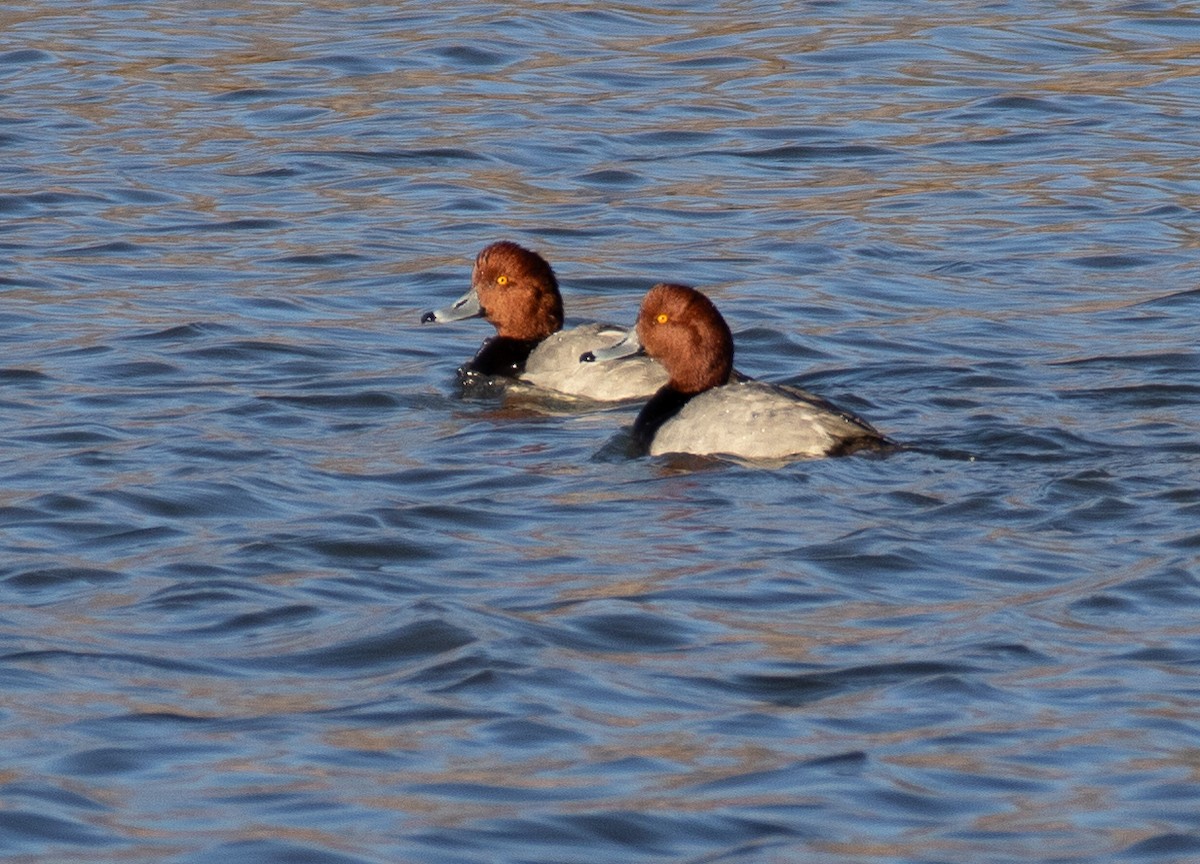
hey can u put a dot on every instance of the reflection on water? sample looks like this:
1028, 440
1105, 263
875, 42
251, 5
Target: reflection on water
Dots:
274, 590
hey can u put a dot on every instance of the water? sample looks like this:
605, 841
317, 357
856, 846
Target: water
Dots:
273, 590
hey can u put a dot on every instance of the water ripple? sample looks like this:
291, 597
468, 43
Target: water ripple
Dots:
276, 588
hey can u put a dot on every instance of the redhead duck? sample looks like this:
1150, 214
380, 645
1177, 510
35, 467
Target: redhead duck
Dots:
516, 290
706, 408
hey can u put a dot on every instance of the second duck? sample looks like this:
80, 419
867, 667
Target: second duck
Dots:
516, 290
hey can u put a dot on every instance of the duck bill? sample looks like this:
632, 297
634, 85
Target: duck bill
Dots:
466, 306
628, 346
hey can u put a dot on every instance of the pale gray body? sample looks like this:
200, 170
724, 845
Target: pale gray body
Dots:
755, 420
554, 365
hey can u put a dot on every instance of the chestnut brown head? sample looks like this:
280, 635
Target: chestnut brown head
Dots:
518, 291
513, 288
682, 329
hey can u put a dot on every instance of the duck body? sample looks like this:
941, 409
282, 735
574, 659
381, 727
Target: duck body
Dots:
516, 290
755, 420
554, 365
707, 408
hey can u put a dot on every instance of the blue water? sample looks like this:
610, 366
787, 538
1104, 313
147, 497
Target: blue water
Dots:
274, 590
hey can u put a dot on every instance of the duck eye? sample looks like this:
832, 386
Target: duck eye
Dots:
662, 318
501, 280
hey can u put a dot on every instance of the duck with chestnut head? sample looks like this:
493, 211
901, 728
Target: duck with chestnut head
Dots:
516, 290
706, 408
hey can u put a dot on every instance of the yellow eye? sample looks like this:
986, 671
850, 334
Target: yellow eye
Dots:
501, 280
662, 318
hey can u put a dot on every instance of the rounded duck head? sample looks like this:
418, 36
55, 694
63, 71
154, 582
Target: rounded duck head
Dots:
518, 291
682, 329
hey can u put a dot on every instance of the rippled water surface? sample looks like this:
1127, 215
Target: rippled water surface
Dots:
274, 590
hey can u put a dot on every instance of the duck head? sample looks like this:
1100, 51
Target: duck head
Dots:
512, 287
681, 329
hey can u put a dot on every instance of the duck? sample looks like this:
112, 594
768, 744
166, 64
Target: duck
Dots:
706, 408
516, 290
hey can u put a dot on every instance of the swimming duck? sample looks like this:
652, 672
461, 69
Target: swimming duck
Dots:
706, 408
516, 290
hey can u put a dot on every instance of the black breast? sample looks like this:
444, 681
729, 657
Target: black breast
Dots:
662, 406
501, 355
